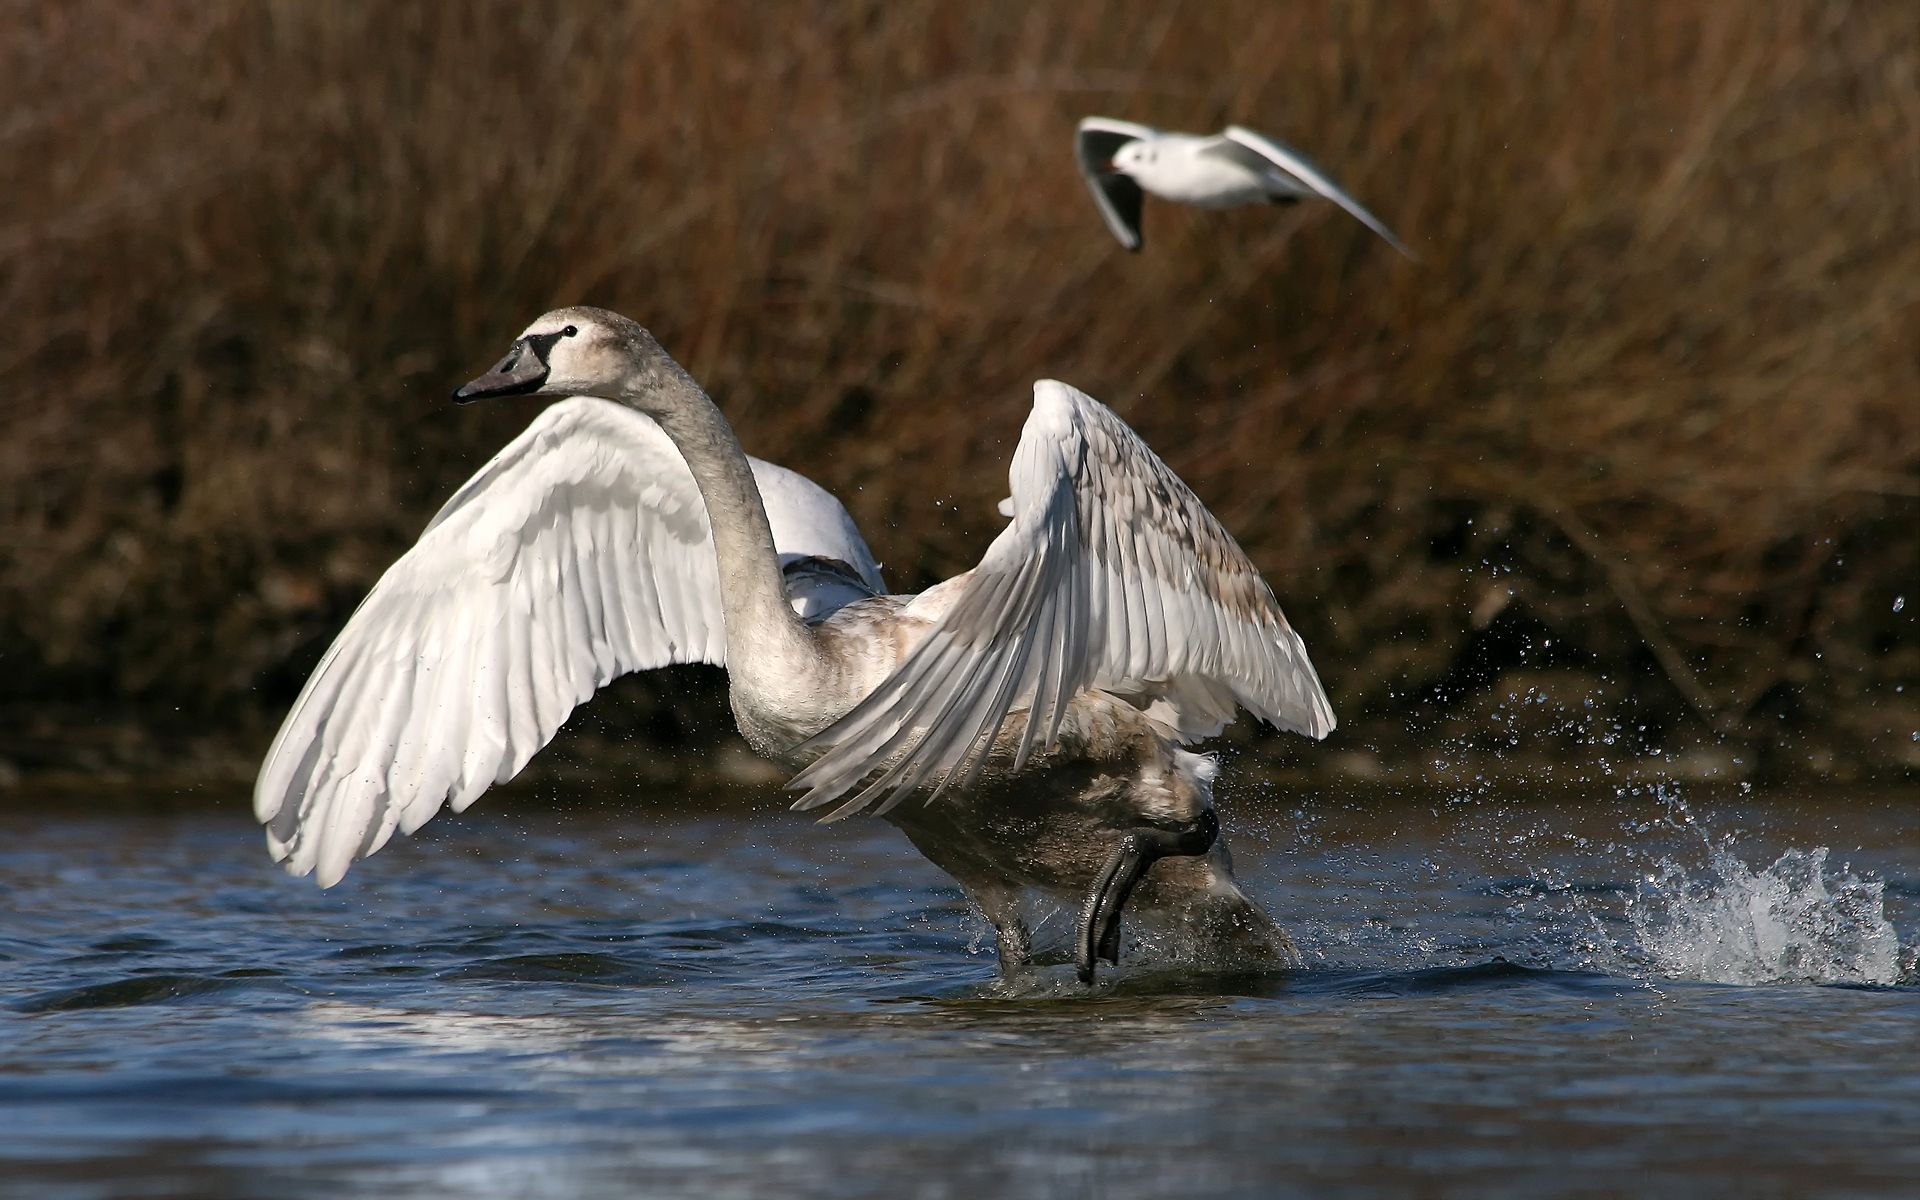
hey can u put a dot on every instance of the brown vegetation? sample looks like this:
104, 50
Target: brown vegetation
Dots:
1647, 408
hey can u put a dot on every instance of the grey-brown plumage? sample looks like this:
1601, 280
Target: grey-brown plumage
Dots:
1113, 579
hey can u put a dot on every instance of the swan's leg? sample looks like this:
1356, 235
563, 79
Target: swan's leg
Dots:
1001, 906
1138, 850
960, 853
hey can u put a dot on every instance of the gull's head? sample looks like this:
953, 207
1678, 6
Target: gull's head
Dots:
1133, 157
578, 351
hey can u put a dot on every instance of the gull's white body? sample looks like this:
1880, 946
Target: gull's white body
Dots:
1121, 159
1188, 169
1013, 721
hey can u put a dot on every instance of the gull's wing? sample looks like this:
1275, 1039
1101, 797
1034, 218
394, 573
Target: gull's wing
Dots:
1113, 576
1118, 196
1256, 150
579, 553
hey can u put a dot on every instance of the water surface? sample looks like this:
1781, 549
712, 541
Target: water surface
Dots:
1504, 996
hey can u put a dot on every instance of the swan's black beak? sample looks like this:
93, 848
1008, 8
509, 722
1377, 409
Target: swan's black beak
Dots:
1099, 934
523, 370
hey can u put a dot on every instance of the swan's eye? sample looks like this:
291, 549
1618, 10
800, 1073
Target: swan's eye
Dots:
569, 331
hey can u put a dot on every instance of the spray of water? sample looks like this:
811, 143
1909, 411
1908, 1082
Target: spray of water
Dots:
1718, 920
1794, 921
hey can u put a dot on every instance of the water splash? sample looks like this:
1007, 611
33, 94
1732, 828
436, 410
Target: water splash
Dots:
1625, 907
1793, 921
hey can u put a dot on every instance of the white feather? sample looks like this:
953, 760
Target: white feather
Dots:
578, 553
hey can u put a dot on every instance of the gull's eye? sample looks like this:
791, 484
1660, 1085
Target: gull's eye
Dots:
570, 331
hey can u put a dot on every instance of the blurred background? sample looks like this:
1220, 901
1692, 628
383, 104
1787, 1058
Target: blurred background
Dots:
1625, 466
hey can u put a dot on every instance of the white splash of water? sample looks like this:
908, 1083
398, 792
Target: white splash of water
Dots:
1794, 921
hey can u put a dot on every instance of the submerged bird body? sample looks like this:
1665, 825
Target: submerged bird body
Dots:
1121, 160
1022, 723
1049, 824
1052, 828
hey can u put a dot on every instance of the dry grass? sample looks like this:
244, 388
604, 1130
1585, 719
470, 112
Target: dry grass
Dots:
1648, 407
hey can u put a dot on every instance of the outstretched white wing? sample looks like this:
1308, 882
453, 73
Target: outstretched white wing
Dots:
579, 553
1118, 196
1113, 576
1310, 178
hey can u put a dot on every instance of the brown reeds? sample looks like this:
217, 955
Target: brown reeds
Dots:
1647, 407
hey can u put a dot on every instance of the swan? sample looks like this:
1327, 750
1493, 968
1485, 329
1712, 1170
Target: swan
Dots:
1120, 160
1022, 723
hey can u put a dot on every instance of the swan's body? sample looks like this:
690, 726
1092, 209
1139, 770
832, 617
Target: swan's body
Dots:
1120, 160
1021, 723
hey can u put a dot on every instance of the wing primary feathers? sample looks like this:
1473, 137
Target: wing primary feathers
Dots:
1039, 695
846, 764
831, 775
1302, 169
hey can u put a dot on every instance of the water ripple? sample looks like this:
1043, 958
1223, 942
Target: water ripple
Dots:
128, 992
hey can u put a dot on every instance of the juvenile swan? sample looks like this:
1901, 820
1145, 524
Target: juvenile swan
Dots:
1120, 160
1021, 723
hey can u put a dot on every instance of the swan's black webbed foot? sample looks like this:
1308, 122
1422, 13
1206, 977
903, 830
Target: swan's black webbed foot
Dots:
1140, 849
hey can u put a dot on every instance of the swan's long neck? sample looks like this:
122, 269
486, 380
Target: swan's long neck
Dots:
769, 650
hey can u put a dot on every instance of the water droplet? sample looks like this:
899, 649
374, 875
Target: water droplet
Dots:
1899, 602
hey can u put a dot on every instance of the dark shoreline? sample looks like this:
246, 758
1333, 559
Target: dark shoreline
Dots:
129, 761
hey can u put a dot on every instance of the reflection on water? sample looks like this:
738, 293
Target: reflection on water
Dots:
561, 999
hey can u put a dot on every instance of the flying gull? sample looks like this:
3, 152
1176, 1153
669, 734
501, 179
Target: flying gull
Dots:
1121, 161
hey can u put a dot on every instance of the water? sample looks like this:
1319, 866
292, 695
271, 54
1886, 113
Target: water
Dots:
1504, 996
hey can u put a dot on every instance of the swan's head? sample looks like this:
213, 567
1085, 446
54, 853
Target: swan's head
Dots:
577, 351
